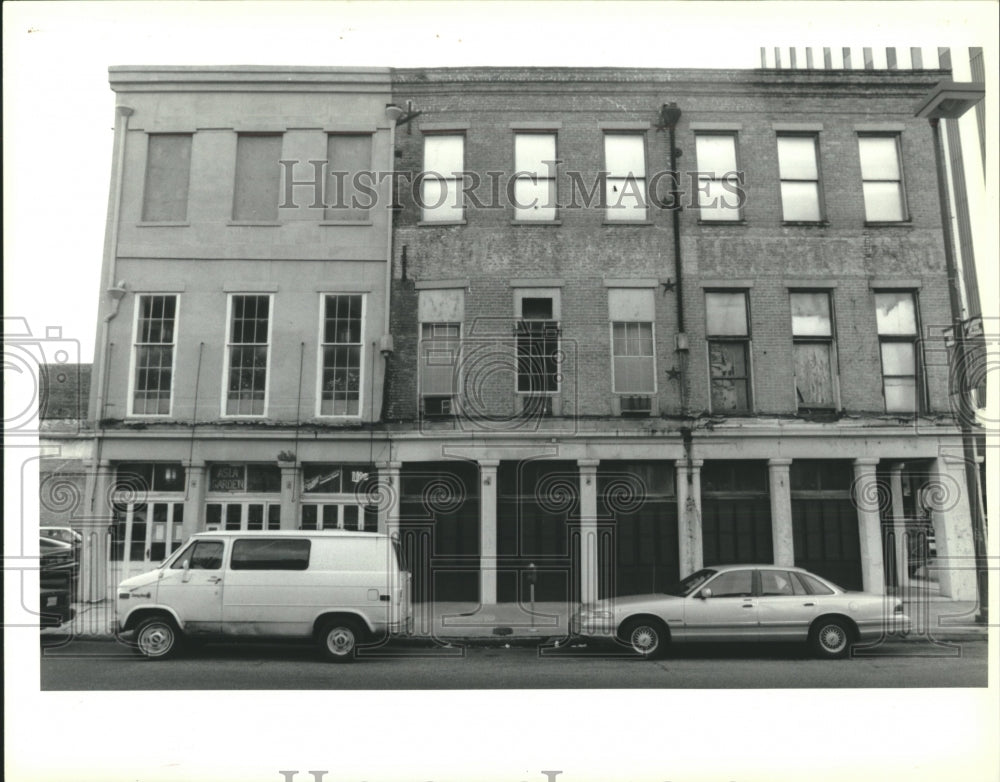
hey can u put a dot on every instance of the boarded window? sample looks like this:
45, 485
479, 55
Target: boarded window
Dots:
812, 334
441, 180
168, 172
535, 188
717, 176
258, 177
625, 185
349, 190
728, 348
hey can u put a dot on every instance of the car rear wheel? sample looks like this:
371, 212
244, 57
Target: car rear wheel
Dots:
157, 638
338, 639
648, 637
831, 638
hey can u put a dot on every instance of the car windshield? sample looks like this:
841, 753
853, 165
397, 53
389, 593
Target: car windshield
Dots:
686, 586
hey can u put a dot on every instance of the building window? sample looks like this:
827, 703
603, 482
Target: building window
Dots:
718, 177
154, 355
342, 349
799, 171
633, 366
625, 185
535, 186
537, 343
258, 177
168, 173
728, 350
882, 179
896, 319
247, 354
349, 161
344, 486
812, 337
441, 180
440, 345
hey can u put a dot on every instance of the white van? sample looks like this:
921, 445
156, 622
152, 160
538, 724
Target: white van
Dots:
340, 589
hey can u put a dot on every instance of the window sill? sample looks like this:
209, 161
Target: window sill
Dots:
335, 223
257, 223
440, 224
628, 223
889, 224
805, 223
515, 221
162, 224
741, 221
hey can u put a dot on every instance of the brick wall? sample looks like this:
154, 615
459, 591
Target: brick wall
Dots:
581, 250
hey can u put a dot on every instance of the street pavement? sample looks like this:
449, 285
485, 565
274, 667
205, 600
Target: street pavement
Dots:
108, 665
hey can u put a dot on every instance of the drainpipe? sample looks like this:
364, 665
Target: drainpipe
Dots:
392, 113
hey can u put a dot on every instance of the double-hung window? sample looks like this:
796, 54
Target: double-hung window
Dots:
258, 177
168, 172
535, 185
537, 344
441, 180
798, 165
812, 337
342, 355
718, 177
247, 353
625, 182
882, 178
896, 319
633, 363
728, 331
155, 338
440, 313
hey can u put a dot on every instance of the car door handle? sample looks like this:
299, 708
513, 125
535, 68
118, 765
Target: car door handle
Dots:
808, 604
214, 579
748, 605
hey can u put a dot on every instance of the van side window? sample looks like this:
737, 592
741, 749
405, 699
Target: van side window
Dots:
270, 554
203, 555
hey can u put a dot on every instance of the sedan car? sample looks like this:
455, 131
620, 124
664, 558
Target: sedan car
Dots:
744, 603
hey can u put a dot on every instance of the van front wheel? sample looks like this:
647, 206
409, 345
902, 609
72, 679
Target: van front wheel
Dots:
157, 638
338, 639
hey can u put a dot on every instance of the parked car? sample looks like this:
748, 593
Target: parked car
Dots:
58, 569
338, 589
57, 558
743, 603
65, 534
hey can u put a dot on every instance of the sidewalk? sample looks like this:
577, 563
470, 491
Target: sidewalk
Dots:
932, 617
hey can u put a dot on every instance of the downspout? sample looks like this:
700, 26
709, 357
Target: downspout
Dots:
386, 342
670, 115
115, 290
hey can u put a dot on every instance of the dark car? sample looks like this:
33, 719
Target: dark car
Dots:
58, 570
64, 534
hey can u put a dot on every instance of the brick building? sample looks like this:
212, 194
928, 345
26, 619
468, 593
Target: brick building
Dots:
557, 377
767, 384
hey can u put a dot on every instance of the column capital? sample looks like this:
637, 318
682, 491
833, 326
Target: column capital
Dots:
779, 462
588, 465
194, 464
488, 464
865, 461
389, 467
696, 464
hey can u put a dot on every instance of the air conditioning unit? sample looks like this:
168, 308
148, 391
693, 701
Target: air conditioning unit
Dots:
438, 406
635, 406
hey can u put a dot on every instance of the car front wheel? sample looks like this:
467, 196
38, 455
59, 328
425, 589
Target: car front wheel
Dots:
157, 638
831, 638
648, 637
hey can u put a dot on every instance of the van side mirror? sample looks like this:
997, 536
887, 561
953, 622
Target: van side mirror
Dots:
706, 592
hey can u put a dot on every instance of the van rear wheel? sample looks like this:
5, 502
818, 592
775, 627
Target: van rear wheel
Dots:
338, 638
